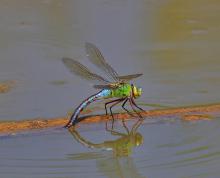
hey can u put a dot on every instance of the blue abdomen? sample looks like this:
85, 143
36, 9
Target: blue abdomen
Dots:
106, 93
102, 94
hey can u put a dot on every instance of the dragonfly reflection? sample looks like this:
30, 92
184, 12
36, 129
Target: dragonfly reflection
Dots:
122, 146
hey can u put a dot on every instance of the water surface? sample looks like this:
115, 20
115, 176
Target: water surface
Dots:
168, 149
174, 43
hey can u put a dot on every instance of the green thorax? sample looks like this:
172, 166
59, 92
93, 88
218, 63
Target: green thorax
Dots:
123, 90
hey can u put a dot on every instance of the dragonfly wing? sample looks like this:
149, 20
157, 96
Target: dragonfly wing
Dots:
80, 70
123, 79
104, 87
97, 59
127, 78
108, 86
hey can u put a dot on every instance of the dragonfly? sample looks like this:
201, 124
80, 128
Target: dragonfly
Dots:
113, 87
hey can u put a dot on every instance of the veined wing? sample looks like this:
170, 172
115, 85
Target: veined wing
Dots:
107, 86
127, 78
123, 79
80, 70
97, 59
104, 87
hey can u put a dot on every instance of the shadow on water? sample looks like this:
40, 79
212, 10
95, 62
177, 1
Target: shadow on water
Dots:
119, 162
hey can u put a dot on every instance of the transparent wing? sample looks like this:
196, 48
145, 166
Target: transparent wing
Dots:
80, 70
108, 86
127, 78
123, 79
97, 59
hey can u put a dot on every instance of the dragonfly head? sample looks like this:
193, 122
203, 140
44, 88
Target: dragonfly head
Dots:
136, 91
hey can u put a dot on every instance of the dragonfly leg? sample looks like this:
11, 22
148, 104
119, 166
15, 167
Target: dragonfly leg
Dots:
123, 106
133, 102
116, 102
106, 111
113, 119
113, 101
123, 121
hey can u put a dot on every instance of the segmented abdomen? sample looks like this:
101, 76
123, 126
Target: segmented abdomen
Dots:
102, 94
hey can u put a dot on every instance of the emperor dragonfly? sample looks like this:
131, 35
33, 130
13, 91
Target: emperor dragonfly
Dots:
114, 87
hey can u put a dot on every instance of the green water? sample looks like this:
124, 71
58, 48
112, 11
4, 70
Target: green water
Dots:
175, 44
